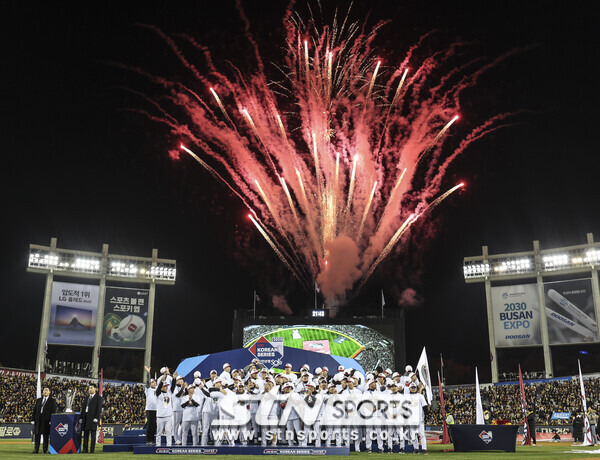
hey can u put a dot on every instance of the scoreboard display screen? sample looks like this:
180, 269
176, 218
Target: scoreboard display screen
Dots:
372, 342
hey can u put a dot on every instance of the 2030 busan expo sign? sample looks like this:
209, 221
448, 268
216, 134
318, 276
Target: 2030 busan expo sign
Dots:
516, 315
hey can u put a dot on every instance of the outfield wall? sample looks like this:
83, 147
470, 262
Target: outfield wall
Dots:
25, 430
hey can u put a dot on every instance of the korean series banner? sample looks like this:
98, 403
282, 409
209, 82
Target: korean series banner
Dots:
570, 312
73, 314
516, 315
125, 315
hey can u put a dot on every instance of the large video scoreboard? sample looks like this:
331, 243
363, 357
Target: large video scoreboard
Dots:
372, 341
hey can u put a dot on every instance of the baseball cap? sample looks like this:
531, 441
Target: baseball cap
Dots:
213, 371
408, 369
325, 368
318, 370
340, 368
163, 370
197, 374
288, 365
226, 365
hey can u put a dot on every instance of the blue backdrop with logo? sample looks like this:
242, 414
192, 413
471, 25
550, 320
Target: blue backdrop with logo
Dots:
239, 358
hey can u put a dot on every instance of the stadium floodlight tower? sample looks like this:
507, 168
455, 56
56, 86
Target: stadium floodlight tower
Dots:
510, 307
104, 267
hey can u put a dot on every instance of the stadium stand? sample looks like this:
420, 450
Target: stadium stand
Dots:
124, 401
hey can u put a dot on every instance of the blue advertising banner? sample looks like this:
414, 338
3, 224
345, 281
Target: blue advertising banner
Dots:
125, 315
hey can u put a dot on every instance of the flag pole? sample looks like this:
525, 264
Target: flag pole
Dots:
445, 435
526, 432
442, 366
315, 295
254, 301
100, 435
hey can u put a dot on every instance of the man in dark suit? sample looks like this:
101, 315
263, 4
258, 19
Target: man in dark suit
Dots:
90, 415
42, 414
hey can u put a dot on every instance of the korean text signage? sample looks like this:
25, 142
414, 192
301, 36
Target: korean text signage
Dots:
125, 315
73, 314
516, 315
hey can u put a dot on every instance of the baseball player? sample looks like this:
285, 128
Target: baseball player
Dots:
189, 407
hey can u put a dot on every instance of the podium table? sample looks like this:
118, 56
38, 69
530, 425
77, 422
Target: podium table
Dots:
65, 433
484, 437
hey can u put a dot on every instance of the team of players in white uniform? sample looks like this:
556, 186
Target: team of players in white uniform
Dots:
183, 408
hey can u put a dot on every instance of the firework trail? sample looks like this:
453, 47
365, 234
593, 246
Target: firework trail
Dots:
337, 160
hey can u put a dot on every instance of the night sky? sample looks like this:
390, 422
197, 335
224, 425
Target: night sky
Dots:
80, 164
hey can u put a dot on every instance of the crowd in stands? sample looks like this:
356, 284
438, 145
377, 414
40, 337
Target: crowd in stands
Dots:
503, 402
126, 403
122, 403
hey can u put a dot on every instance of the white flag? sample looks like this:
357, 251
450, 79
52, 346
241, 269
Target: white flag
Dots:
382, 299
587, 438
38, 390
317, 287
479, 420
424, 375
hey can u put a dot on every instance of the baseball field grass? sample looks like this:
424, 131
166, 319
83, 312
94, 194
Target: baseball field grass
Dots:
20, 449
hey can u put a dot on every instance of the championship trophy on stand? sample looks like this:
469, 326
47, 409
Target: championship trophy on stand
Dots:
69, 399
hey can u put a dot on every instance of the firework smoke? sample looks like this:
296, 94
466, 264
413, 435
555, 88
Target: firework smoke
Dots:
279, 303
409, 298
336, 161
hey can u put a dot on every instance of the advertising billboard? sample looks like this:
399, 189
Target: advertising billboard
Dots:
125, 316
73, 314
570, 312
516, 315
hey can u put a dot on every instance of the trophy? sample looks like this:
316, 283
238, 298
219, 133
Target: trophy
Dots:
69, 398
